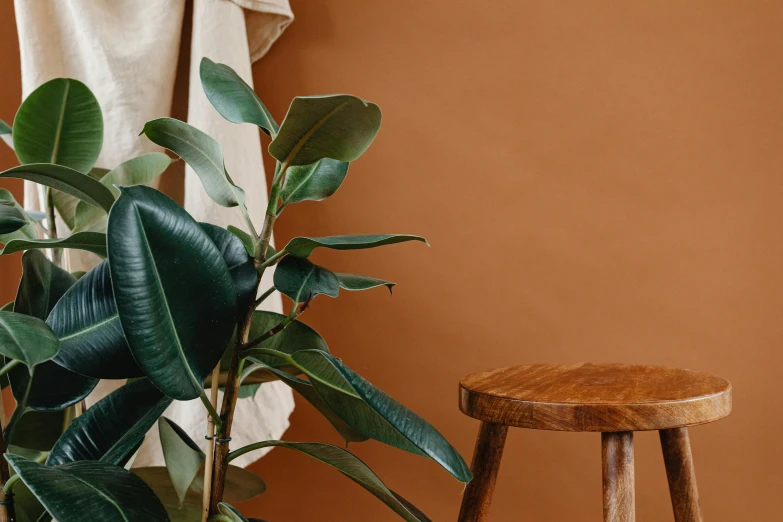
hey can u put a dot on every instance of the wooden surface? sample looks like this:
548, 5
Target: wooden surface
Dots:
595, 397
618, 477
486, 463
682, 477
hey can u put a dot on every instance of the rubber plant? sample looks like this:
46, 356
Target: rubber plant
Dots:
172, 309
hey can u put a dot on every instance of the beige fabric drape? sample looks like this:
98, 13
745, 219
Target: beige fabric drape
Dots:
126, 51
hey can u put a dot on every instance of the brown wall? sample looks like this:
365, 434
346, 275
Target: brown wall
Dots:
599, 181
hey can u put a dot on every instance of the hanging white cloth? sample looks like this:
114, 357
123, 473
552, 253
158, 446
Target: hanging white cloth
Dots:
126, 52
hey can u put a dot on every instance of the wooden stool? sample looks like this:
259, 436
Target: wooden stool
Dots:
613, 399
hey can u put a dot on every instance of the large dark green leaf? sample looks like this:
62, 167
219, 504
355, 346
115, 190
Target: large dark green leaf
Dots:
39, 430
183, 456
87, 323
11, 218
110, 429
296, 336
301, 280
59, 122
65, 179
97, 489
43, 284
26, 338
350, 466
339, 387
28, 230
340, 127
361, 282
313, 182
202, 153
234, 99
240, 264
304, 246
174, 294
94, 242
137, 171
6, 134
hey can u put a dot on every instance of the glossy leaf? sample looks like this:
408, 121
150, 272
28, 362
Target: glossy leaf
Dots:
59, 122
137, 171
65, 204
243, 236
39, 430
110, 430
304, 246
174, 294
183, 457
234, 99
202, 153
86, 321
339, 126
94, 242
6, 134
66, 180
361, 282
350, 466
296, 336
313, 182
301, 280
338, 386
27, 339
11, 218
240, 265
105, 491
43, 284
27, 231
231, 512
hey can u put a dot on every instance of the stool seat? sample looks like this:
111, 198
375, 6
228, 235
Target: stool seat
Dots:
595, 397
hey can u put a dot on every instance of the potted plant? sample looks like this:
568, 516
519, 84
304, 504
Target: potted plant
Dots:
172, 301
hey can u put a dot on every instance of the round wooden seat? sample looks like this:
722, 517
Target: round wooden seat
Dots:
595, 397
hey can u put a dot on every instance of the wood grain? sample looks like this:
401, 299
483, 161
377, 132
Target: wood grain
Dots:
595, 397
485, 466
682, 477
618, 477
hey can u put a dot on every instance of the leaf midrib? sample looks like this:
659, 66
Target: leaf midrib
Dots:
312, 130
58, 133
101, 493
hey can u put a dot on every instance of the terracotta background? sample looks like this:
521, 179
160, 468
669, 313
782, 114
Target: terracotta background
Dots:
599, 181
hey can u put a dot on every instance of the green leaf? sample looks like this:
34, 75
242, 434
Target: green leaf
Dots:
110, 430
246, 239
422, 438
11, 218
231, 512
301, 280
350, 466
65, 179
94, 242
296, 336
26, 338
241, 266
174, 294
28, 231
313, 182
86, 321
202, 153
5, 134
306, 390
43, 284
304, 246
339, 126
65, 204
59, 122
39, 430
361, 282
137, 171
183, 457
105, 491
234, 99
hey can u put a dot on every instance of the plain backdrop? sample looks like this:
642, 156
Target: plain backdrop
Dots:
600, 181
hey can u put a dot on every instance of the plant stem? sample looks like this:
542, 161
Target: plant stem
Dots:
214, 415
273, 259
51, 223
264, 296
5, 369
211, 453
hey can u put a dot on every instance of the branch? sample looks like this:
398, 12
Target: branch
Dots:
297, 311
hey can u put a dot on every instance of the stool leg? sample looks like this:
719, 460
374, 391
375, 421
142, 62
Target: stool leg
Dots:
618, 478
682, 478
485, 466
